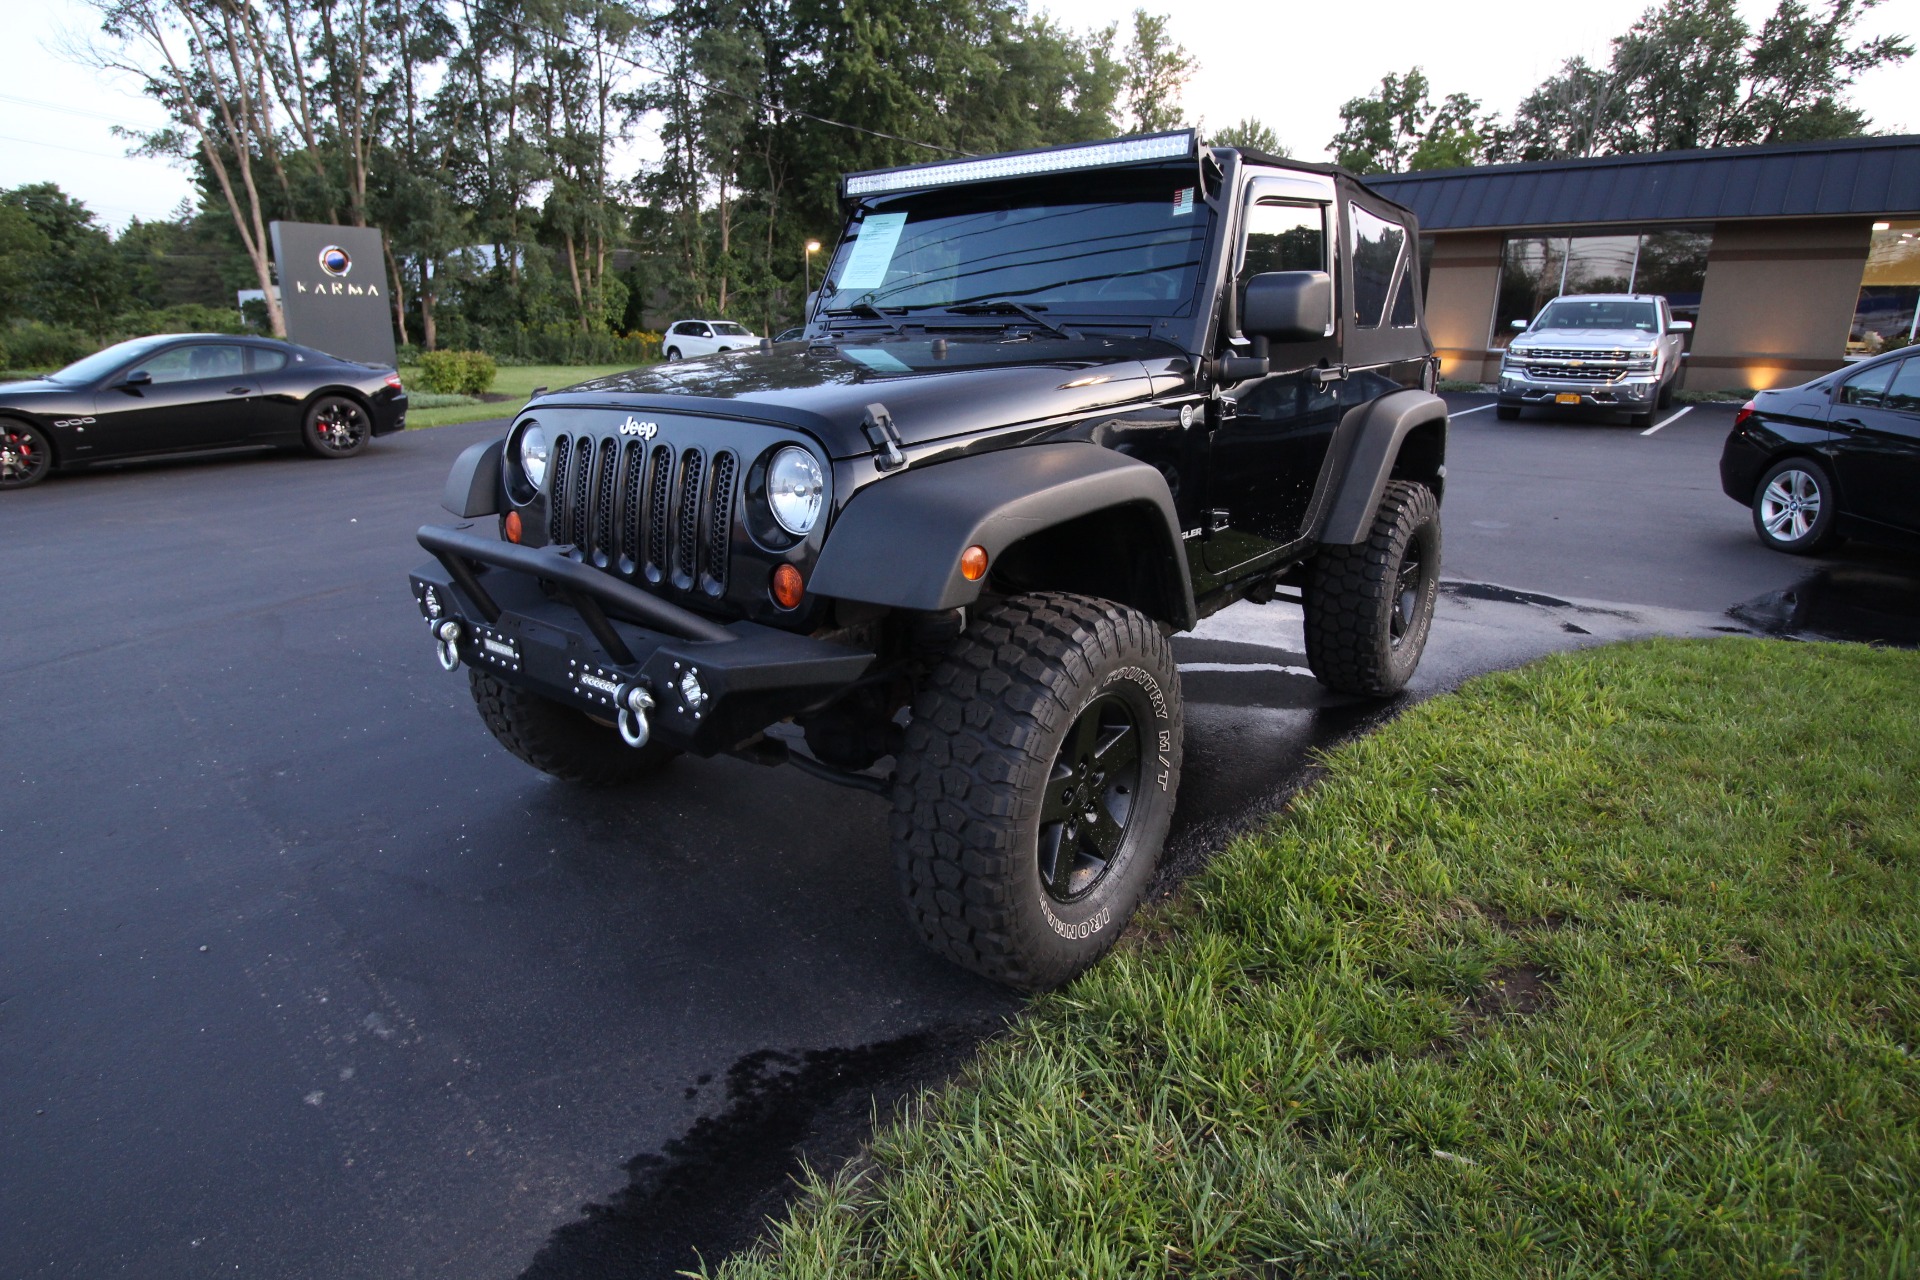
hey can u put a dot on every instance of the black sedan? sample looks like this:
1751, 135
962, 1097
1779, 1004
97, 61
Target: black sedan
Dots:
184, 393
1838, 457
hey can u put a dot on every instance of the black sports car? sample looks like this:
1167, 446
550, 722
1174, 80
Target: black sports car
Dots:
1839, 456
185, 392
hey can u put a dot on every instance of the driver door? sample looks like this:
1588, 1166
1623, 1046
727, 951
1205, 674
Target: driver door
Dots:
1273, 433
199, 398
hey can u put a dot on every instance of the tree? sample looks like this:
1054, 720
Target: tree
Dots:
1250, 134
60, 259
1396, 128
1155, 70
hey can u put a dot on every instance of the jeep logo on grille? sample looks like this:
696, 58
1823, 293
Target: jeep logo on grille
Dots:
645, 430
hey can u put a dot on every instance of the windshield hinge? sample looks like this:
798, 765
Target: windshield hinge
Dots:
881, 434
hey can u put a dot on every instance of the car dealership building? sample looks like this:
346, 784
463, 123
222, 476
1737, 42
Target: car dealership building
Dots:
1789, 259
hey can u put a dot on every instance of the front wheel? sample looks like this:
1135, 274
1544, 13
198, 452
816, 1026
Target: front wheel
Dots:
336, 427
1793, 507
1369, 606
558, 740
25, 457
1036, 786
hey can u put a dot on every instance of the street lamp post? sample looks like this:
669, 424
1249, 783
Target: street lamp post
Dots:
813, 247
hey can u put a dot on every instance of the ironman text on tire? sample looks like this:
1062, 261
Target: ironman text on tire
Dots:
1038, 778
1793, 507
558, 740
1369, 606
25, 457
336, 427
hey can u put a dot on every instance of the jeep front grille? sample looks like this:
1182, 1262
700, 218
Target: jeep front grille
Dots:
659, 514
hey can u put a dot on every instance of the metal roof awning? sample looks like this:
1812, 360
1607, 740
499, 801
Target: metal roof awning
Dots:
1853, 176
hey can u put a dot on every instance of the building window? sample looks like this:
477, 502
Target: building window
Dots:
1534, 270
1887, 314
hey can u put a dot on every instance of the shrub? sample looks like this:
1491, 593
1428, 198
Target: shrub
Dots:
467, 373
34, 344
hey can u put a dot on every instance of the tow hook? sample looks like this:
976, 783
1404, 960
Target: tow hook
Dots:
634, 702
446, 643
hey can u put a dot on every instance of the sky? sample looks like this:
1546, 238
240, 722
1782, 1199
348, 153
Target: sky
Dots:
57, 117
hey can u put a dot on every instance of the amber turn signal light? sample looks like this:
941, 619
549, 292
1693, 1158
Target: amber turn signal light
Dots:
512, 526
973, 563
787, 587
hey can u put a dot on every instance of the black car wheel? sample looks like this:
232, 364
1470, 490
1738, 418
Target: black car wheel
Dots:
24, 456
1794, 507
1369, 607
1036, 786
336, 427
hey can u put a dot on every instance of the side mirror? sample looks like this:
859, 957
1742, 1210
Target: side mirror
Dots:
1288, 306
1680, 326
1518, 326
138, 378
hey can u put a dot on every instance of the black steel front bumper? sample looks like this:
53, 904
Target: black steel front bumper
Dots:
536, 618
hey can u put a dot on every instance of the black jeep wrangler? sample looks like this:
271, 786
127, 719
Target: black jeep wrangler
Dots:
1050, 408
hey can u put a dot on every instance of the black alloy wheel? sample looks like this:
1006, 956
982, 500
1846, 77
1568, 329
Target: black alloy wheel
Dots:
25, 457
1410, 589
336, 427
1089, 799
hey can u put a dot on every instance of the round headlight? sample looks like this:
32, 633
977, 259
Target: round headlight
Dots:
794, 489
533, 455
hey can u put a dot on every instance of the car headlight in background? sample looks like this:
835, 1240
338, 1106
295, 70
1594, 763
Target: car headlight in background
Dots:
795, 487
533, 451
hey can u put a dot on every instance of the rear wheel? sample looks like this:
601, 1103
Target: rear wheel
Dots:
673, 353
1369, 606
1794, 507
558, 740
1037, 782
336, 427
25, 457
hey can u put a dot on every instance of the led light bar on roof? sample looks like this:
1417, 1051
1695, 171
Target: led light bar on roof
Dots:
1020, 164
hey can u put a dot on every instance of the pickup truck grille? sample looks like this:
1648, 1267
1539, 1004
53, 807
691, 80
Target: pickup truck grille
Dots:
649, 511
1585, 373
1560, 353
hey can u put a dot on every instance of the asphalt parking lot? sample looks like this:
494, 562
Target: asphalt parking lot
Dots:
301, 975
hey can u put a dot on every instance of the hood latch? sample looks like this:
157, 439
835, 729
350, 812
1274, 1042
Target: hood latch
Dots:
881, 434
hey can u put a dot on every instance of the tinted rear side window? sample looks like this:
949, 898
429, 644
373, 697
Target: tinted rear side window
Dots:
1868, 389
1376, 252
265, 361
1903, 393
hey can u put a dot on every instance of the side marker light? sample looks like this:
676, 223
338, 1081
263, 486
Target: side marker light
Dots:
511, 526
787, 587
973, 563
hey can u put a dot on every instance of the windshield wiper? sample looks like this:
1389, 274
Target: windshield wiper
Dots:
1007, 306
871, 312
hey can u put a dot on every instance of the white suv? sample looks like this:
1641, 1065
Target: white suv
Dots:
690, 338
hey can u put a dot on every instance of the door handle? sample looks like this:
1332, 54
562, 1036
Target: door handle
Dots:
239, 391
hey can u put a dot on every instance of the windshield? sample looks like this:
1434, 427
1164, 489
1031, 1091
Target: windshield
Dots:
726, 329
1568, 313
1103, 243
102, 363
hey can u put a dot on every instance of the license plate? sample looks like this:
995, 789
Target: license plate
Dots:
1567, 397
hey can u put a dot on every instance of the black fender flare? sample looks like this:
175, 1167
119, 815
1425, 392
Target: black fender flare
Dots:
898, 542
474, 484
1383, 428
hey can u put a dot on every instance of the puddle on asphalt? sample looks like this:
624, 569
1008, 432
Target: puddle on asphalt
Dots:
709, 1193
1854, 602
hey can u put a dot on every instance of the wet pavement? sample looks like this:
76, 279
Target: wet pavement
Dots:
301, 975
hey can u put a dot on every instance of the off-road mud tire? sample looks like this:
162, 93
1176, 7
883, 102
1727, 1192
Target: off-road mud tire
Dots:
988, 727
558, 740
1354, 591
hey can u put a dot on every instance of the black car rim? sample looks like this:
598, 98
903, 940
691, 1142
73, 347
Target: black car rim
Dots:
340, 426
21, 458
1407, 585
1090, 799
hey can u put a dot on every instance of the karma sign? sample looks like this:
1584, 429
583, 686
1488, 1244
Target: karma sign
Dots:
333, 288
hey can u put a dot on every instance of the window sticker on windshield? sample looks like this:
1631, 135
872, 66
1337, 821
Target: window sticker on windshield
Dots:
1183, 201
876, 360
872, 251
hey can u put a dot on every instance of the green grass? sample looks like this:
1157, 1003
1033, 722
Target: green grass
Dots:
1729, 395
1605, 967
515, 381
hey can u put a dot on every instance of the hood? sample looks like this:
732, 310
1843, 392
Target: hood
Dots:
823, 388
34, 386
1586, 339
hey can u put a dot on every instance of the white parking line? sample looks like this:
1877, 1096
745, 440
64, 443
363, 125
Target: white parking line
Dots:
1245, 666
1675, 418
1464, 412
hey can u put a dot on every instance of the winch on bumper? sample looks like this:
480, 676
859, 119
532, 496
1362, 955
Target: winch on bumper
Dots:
536, 618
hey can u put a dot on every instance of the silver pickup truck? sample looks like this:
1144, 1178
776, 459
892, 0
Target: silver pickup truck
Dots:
1619, 351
